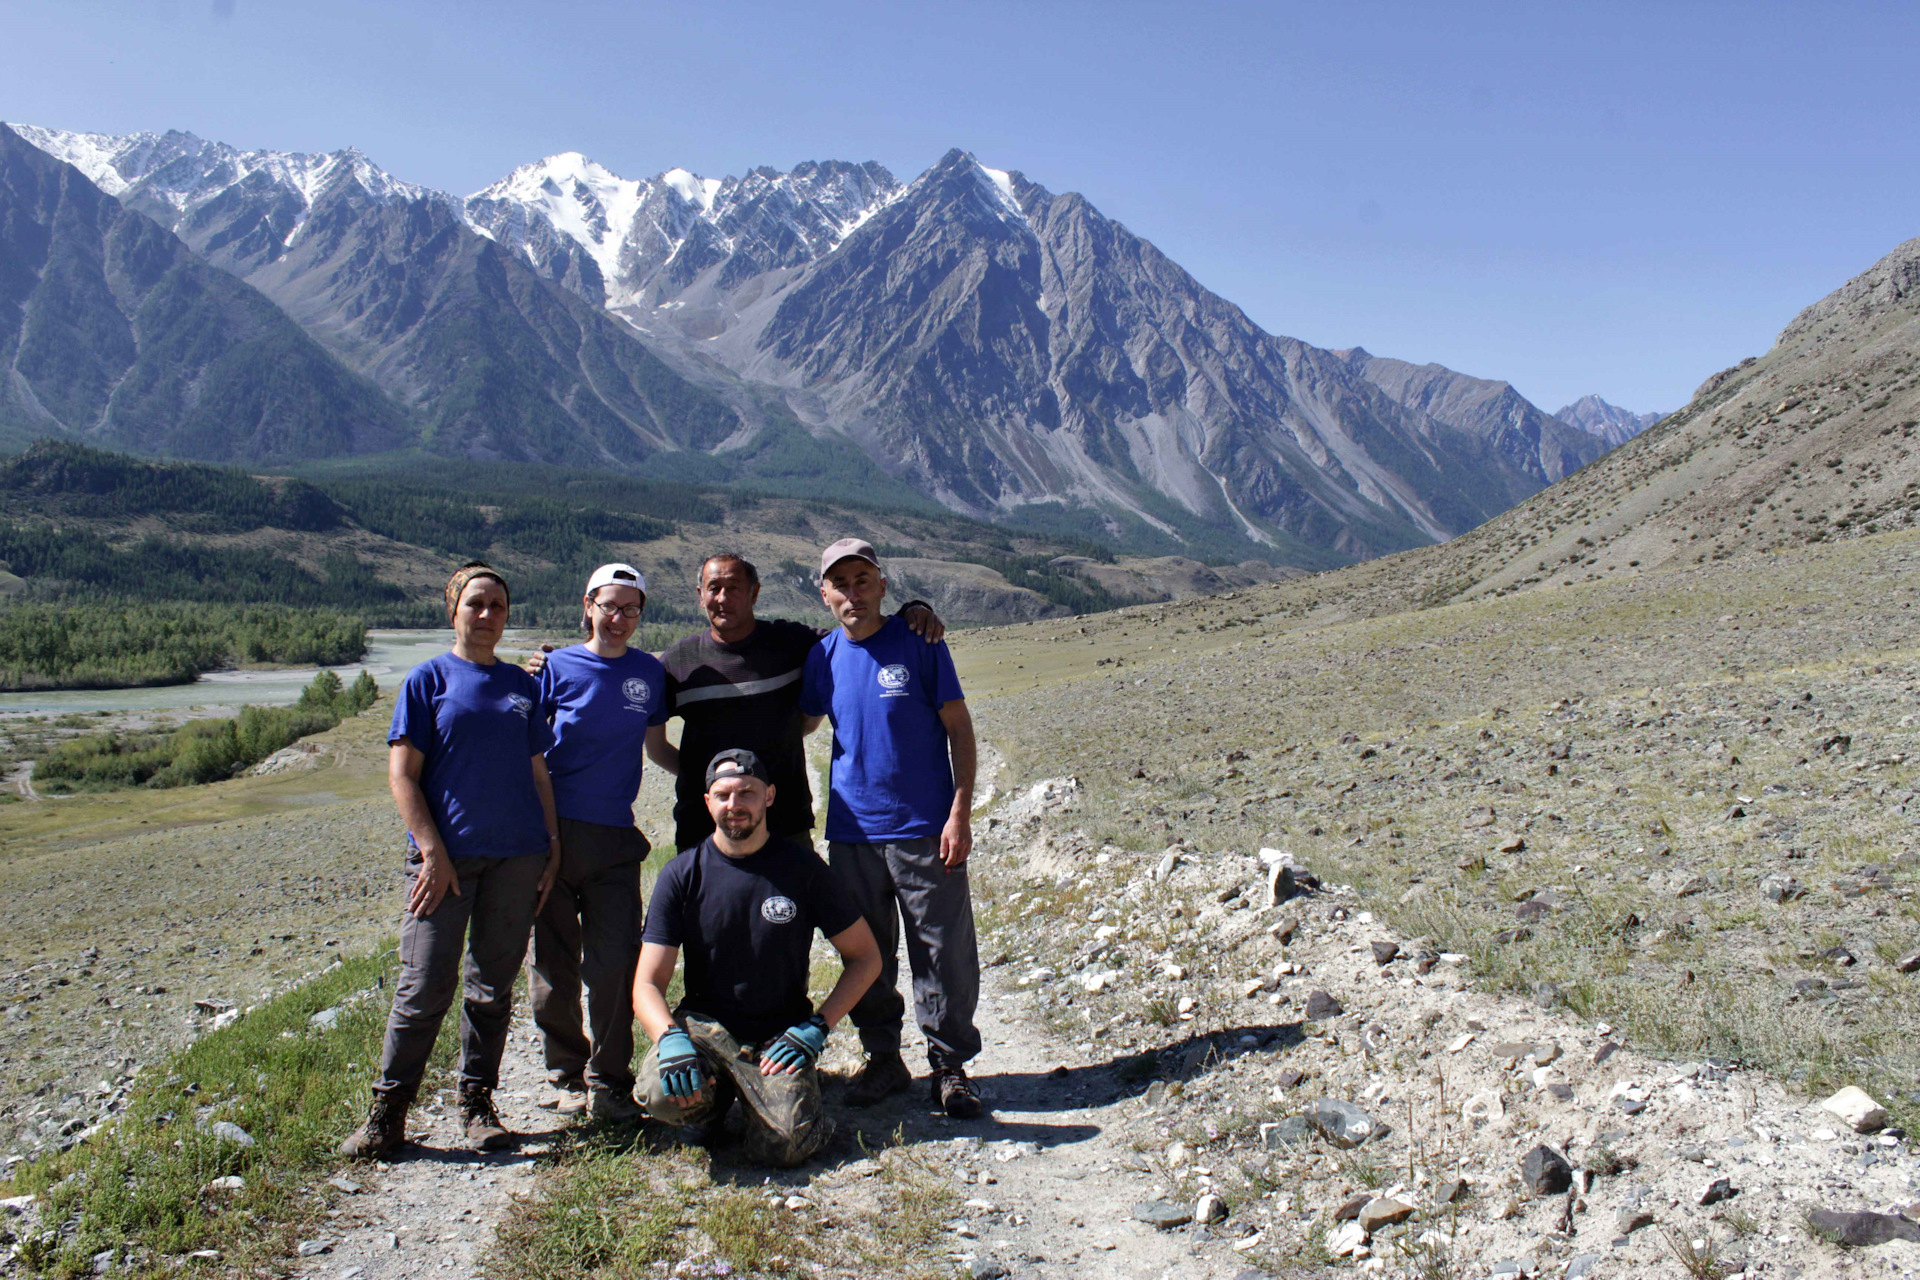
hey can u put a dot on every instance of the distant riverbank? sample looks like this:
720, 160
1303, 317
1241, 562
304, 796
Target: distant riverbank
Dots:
122, 644
389, 656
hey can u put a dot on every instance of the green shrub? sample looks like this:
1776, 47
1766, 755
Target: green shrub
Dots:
201, 750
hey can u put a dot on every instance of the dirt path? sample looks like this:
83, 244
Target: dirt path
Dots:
433, 1212
1050, 1186
1052, 1183
20, 779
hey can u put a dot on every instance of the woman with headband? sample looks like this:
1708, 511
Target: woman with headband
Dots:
602, 697
466, 764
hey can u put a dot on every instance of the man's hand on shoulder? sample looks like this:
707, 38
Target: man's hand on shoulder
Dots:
923, 621
536, 663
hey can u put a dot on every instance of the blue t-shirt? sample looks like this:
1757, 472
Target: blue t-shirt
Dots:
478, 729
600, 709
892, 777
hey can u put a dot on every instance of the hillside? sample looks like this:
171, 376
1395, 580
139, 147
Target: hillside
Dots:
1644, 899
113, 331
1808, 443
77, 523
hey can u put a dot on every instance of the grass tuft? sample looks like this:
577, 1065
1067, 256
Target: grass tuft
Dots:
139, 1189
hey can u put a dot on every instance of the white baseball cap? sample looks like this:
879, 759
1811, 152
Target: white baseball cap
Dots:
617, 575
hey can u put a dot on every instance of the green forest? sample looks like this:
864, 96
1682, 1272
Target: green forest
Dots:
67, 510
548, 527
200, 750
117, 646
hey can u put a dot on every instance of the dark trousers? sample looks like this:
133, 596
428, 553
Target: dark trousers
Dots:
590, 930
488, 922
905, 880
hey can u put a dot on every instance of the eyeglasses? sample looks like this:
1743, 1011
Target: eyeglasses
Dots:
627, 611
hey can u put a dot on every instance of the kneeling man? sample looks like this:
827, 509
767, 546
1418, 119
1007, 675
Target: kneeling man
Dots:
743, 906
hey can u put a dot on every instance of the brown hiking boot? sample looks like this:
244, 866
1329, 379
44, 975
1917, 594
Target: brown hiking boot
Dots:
882, 1077
484, 1130
383, 1133
569, 1097
955, 1094
617, 1106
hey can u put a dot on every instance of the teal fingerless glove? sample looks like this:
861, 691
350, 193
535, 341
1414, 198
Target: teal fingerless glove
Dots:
679, 1064
799, 1046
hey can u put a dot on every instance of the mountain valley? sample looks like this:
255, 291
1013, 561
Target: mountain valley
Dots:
967, 336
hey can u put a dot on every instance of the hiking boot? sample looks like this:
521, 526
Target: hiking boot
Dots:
955, 1094
616, 1105
882, 1077
383, 1133
484, 1130
569, 1097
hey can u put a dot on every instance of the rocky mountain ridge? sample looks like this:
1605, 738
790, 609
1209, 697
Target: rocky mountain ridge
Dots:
111, 330
1810, 442
1609, 423
1002, 349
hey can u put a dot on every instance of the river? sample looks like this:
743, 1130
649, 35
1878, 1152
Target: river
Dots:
390, 655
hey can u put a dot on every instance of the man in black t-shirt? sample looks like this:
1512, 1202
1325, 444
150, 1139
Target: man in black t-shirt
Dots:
737, 684
743, 905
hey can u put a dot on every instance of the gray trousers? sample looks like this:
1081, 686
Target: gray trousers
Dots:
590, 930
488, 921
904, 880
785, 1120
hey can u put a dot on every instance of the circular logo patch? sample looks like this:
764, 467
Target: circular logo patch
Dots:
893, 677
779, 909
637, 691
521, 704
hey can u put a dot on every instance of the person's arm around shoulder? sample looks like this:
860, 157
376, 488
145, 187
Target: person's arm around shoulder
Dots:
405, 764
956, 840
923, 621
662, 752
801, 1046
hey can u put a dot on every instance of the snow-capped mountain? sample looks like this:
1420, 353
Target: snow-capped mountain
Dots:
1608, 423
495, 359
113, 331
186, 171
650, 239
1003, 346
993, 344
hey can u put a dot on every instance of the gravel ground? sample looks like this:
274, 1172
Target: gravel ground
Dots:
1582, 794
115, 950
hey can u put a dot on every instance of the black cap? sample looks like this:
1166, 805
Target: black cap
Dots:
736, 762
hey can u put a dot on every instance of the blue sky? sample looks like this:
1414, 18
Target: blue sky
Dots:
1616, 197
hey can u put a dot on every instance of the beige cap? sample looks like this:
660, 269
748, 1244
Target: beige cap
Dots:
854, 548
